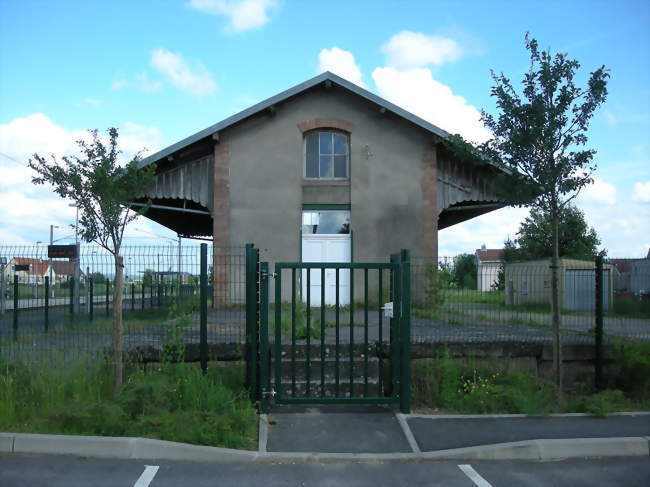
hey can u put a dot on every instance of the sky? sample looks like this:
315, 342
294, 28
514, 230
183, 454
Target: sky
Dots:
163, 70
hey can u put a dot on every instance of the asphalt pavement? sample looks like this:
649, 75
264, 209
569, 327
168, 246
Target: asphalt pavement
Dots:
18, 470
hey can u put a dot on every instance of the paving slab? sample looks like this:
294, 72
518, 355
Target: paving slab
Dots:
335, 429
433, 433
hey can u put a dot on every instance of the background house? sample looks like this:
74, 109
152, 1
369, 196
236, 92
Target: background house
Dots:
621, 269
488, 265
36, 273
530, 283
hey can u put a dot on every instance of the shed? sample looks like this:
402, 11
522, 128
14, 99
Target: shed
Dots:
530, 283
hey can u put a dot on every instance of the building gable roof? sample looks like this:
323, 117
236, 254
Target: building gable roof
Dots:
291, 92
489, 255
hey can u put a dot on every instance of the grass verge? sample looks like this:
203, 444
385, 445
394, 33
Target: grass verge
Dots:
173, 401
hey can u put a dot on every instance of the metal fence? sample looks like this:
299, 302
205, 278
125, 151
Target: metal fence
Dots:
454, 301
60, 308
54, 308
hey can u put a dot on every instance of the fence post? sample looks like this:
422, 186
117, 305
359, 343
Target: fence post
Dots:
108, 290
132, 296
72, 284
91, 297
15, 307
46, 318
203, 296
405, 333
142, 292
598, 352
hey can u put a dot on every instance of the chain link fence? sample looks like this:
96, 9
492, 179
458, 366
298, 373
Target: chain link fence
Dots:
457, 300
62, 308
59, 308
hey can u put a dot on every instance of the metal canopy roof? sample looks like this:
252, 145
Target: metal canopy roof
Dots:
316, 80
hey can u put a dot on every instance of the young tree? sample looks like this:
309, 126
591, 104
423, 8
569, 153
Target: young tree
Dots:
465, 269
538, 137
100, 187
576, 240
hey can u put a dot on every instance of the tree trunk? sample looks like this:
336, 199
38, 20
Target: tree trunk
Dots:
118, 339
555, 302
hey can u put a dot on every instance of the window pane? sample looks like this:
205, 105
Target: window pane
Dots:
325, 166
328, 222
325, 142
311, 155
340, 166
340, 144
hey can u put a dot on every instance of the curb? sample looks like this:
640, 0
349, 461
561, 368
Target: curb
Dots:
143, 448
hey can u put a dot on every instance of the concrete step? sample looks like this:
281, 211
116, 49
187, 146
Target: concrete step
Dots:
358, 388
329, 350
329, 368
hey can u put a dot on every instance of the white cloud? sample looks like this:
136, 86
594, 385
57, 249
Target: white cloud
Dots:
416, 91
599, 193
490, 229
408, 50
92, 101
28, 210
642, 192
341, 63
147, 85
119, 82
610, 118
197, 80
241, 14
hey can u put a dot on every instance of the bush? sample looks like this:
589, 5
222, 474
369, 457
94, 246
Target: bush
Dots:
634, 376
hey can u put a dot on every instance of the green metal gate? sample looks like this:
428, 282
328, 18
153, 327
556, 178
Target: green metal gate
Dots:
329, 353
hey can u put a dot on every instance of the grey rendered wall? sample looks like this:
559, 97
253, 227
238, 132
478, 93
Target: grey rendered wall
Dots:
266, 168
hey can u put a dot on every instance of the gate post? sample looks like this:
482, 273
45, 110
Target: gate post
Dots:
252, 273
405, 332
264, 338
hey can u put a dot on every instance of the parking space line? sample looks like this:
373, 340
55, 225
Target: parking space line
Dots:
406, 429
474, 476
147, 476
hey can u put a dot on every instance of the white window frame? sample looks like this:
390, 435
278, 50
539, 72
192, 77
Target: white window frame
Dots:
304, 155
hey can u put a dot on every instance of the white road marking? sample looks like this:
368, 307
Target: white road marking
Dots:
474, 476
401, 419
147, 476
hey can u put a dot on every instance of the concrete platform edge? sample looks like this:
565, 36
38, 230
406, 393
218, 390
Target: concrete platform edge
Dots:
143, 448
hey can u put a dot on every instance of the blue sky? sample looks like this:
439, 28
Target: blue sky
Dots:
162, 70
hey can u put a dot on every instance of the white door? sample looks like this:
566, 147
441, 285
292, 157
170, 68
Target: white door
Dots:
326, 248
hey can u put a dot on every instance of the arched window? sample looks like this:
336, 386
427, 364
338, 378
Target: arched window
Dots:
327, 155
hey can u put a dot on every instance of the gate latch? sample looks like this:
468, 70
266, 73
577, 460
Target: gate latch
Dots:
265, 275
388, 309
271, 393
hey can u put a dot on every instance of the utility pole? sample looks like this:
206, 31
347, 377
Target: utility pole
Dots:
3, 265
77, 269
49, 261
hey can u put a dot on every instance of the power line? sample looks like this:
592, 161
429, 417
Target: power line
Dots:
13, 159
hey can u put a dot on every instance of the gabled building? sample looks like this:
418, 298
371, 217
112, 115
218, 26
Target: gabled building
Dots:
489, 263
324, 171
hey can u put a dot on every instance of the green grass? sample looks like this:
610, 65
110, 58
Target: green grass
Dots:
459, 386
471, 296
172, 402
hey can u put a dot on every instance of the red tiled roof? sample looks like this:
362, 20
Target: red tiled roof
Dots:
623, 265
37, 267
63, 268
493, 255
